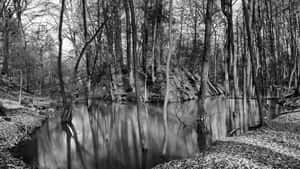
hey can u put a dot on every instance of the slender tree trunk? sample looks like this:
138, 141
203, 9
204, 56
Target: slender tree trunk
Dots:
145, 36
6, 43
21, 86
153, 50
42, 70
215, 57
87, 55
118, 33
195, 19
67, 115
179, 52
161, 59
170, 45
244, 49
134, 52
69, 155
128, 44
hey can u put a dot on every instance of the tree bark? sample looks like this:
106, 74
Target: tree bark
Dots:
21, 86
252, 55
134, 52
118, 33
203, 130
87, 54
67, 114
170, 45
128, 44
153, 67
227, 11
145, 36
207, 50
6, 43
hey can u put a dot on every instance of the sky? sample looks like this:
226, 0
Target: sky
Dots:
45, 13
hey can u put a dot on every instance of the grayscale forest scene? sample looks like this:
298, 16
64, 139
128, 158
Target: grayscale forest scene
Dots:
149, 84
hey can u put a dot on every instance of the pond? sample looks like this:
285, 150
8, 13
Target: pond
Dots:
107, 136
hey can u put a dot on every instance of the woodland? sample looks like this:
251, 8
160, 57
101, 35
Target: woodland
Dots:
59, 53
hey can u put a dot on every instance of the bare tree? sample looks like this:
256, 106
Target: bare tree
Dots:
207, 49
170, 46
137, 95
204, 138
252, 55
67, 114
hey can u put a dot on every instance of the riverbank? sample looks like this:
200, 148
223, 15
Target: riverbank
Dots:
19, 121
276, 145
184, 86
16, 127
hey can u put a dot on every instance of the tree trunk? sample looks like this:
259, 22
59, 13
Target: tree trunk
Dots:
195, 19
87, 55
134, 52
153, 67
202, 128
145, 36
67, 115
207, 50
179, 52
128, 44
21, 86
244, 49
165, 117
227, 11
6, 43
118, 33
252, 55
271, 47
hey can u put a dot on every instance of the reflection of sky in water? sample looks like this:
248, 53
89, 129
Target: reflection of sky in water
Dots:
108, 135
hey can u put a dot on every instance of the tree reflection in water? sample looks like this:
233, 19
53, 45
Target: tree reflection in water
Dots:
107, 135
220, 117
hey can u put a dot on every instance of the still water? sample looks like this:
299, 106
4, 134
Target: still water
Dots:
107, 135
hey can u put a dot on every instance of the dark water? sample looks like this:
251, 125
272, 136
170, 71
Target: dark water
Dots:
107, 136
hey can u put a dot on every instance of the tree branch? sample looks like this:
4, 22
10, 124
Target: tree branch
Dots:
86, 45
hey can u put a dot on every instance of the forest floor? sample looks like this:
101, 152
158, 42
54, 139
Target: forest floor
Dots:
276, 145
19, 122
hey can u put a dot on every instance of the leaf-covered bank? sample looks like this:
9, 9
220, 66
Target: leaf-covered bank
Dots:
268, 147
19, 121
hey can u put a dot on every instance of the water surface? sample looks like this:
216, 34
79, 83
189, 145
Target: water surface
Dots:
107, 136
